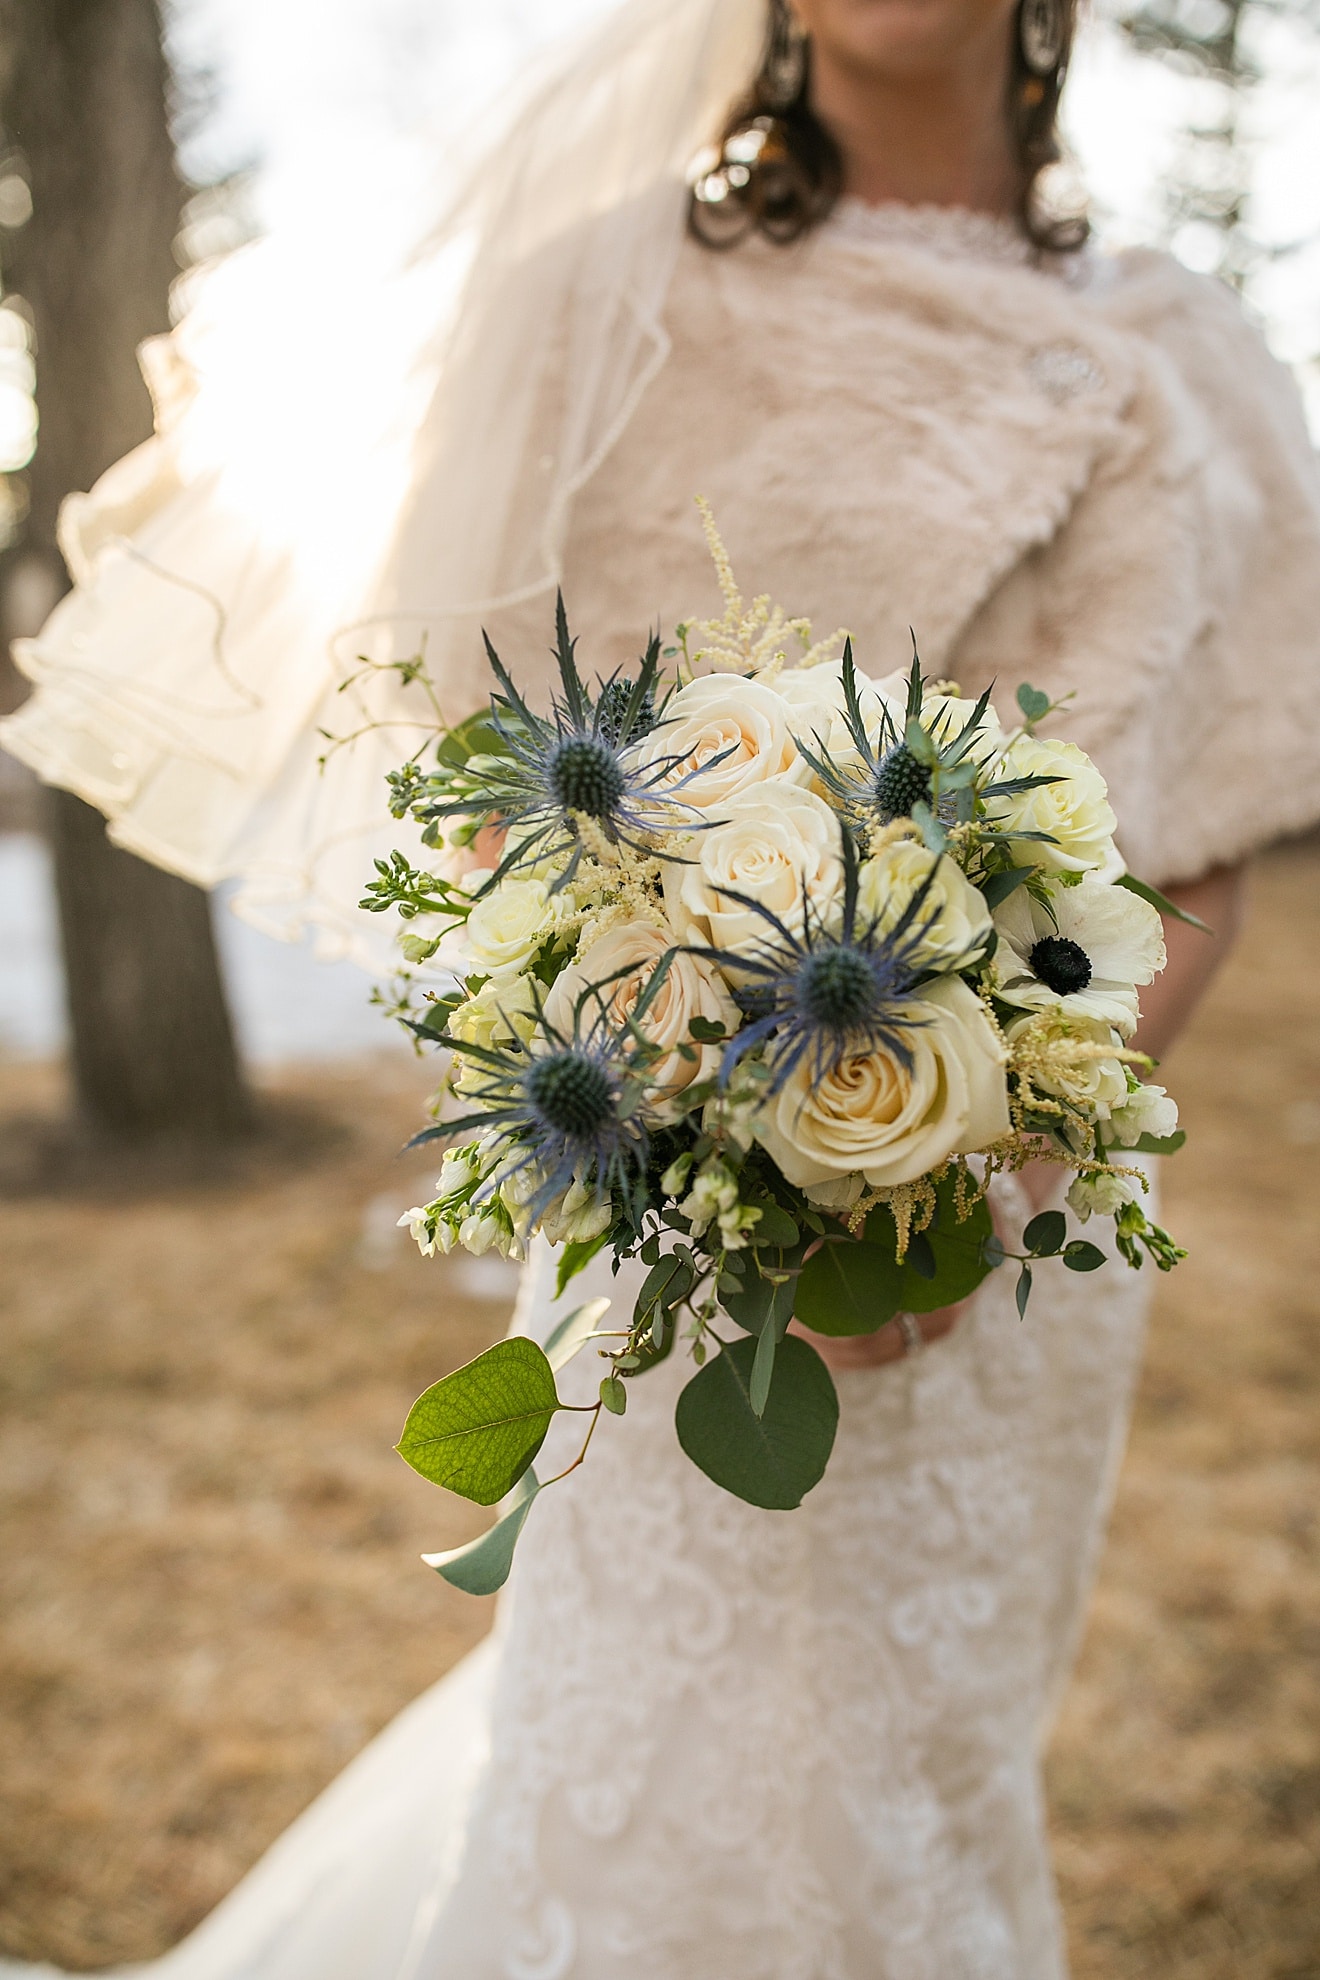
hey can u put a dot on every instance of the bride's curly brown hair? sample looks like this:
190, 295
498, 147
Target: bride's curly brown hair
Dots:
779, 171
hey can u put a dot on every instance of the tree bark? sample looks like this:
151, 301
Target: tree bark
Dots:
83, 96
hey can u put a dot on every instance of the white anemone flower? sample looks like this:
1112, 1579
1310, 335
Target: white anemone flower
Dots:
1086, 954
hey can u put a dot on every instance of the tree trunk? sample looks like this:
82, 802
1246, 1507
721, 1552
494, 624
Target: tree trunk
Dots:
83, 97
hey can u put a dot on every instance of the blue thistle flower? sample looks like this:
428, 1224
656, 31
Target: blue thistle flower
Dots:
569, 1104
831, 995
546, 772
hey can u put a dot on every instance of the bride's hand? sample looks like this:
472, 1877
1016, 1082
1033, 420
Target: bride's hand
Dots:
845, 1352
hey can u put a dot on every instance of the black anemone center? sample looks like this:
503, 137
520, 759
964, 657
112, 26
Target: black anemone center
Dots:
571, 1093
1061, 965
901, 782
836, 988
612, 708
585, 776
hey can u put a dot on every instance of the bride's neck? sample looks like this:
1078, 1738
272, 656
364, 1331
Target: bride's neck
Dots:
934, 139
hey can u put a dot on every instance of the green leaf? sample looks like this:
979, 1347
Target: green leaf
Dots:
774, 1226
1023, 1291
706, 1031
1044, 1235
575, 1257
757, 1301
992, 1250
763, 1368
999, 886
573, 1332
1033, 703
921, 1256
1158, 1144
772, 1460
483, 1565
477, 1431
1079, 1256
933, 834
855, 1286
1162, 902
613, 1394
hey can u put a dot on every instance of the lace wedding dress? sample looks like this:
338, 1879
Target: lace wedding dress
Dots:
708, 1742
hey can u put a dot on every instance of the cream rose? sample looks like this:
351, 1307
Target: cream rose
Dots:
505, 930
815, 699
720, 734
622, 963
1075, 811
889, 1122
953, 921
776, 844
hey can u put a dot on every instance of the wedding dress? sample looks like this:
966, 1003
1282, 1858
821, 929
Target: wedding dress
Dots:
707, 1740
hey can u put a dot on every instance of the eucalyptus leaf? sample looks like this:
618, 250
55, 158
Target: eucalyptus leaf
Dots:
1033, 702
921, 1256
763, 1368
573, 1332
483, 1565
854, 1285
998, 886
774, 1226
1023, 1291
613, 1394
772, 1460
477, 1431
992, 1250
1079, 1256
1044, 1235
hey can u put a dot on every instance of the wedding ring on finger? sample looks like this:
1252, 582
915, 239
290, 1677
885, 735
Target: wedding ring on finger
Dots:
910, 1328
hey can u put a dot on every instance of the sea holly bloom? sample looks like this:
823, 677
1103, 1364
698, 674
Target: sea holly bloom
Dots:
538, 777
819, 992
1083, 950
566, 1105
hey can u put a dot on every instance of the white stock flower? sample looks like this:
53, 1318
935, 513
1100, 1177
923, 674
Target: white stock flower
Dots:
501, 1012
417, 1223
953, 914
1086, 954
1146, 1110
579, 1214
889, 1122
721, 733
505, 930
1101, 1194
622, 962
1075, 811
777, 844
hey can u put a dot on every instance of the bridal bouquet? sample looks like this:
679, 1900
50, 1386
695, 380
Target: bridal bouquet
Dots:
771, 968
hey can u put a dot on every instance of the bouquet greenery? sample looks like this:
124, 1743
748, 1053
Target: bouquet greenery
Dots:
775, 967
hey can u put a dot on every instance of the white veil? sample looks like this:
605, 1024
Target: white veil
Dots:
342, 470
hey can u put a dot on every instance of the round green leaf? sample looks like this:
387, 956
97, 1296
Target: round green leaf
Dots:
1079, 1256
855, 1286
1045, 1234
772, 1460
477, 1431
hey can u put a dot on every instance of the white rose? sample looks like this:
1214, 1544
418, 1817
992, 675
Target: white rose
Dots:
1146, 1110
505, 930
816, 704
1093, 1085
778, 845
1075, 811
623, 962
741, 723
889, 1122
1101, 1194
953, 920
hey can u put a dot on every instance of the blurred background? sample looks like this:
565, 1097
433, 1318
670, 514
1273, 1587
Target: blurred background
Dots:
209, 1587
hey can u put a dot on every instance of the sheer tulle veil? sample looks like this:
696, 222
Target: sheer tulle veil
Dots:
370, 468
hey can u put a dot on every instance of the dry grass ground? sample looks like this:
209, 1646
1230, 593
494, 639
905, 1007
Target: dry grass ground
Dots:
209, 1591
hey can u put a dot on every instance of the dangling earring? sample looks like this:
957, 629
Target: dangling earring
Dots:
784, 68
1041, 25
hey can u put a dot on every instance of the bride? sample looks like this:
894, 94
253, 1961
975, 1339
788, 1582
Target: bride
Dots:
706, 1742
